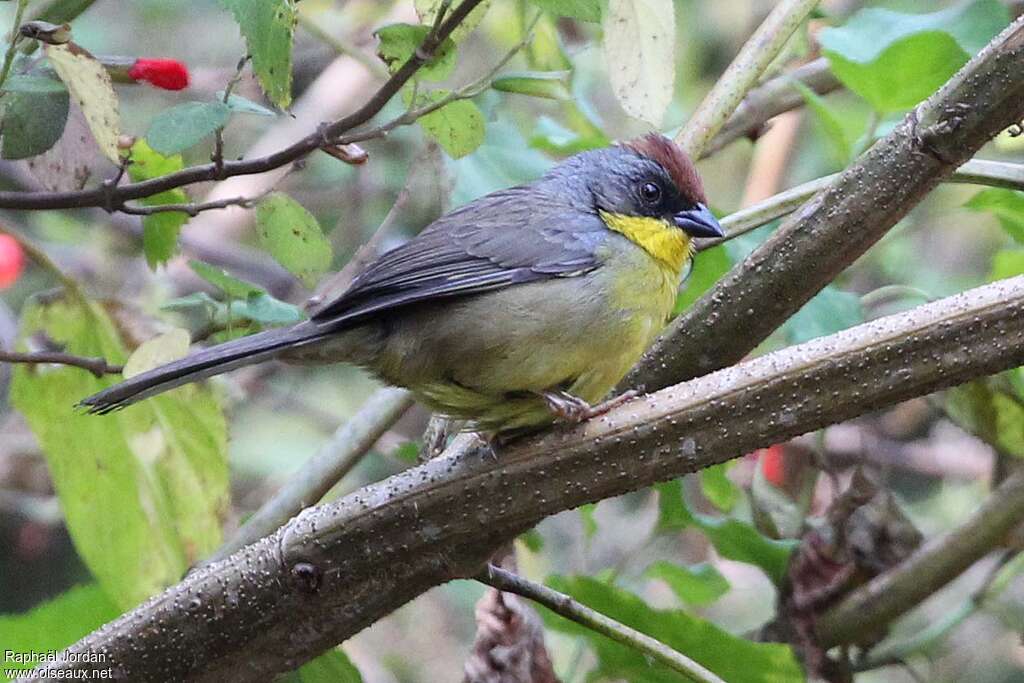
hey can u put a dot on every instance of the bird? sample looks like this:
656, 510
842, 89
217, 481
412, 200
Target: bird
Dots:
519, 309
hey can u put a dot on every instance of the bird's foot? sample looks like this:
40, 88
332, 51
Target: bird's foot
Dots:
572, 409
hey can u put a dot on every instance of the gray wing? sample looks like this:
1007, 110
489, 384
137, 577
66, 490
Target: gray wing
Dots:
505, 238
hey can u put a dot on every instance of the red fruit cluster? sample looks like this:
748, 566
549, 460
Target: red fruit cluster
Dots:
169, 74
12, 261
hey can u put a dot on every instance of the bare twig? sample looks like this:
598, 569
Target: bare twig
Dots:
564, 605
321, 574
97, 366
329, 133
217, 157
755, 56
935, 564
192, 209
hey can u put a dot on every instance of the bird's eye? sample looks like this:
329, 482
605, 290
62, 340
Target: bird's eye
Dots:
650, 192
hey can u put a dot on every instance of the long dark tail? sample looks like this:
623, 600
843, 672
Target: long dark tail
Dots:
202, 364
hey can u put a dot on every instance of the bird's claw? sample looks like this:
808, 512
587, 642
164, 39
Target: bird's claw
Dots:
573, 410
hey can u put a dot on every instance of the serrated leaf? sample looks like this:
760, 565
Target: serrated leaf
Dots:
831, 310
1006, 205
89, 84
398, 42
160, 231
232, 286
268, 27
333, 666
184, 125
241, 105
584, 10
426, 10
143, 491
36, 84
55, 624
552, 85
292, 236
734, 659
895, 60
639, 51
699, 585
457, 126
33, 122
732, 538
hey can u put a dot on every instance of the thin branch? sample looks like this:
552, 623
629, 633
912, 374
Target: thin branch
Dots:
328, 133
935, 564
566, 606
97, 366
755, 56
332, 462
771, 98
14, 39
192, 209
844, 219
976, 171
217, 157
337, 568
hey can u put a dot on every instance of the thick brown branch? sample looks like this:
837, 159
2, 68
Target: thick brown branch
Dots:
842, 221
335, 569
333, 133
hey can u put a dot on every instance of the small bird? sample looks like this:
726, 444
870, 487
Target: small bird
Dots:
523, 307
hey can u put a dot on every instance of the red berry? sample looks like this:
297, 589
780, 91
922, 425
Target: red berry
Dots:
772, 464
169, 74
12, 260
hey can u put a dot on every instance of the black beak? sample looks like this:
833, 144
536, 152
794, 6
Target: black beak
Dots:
698, 222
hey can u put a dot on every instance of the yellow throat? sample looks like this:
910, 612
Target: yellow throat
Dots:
659, 238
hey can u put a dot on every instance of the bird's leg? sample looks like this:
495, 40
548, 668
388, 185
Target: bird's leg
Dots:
572, 409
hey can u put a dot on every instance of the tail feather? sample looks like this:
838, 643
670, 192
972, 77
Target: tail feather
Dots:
202, 364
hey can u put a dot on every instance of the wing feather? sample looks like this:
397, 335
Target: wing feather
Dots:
505, 238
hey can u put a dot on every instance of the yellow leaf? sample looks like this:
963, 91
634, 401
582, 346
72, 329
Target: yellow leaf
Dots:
90, 85
639, 49
157, 351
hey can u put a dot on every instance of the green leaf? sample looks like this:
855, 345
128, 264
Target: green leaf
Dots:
639, 50
735, 659
266, 310
895, 60
994, 416
718, 488
33, 122
143, 490
589, 522
55, 624
241, 105
160, 231
427, 10
292, 236
732, 538
185, 125
533, 541
699, 585
333, 666
232, 286
707, 268
829, 123
1007, 205
268, 26
830, 311
584, 10
457, 126
161, 349
37, 84
545, 51
398, 42
1007, 263
552, 85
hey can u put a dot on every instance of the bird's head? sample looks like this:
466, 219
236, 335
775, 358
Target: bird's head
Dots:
648, 190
